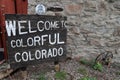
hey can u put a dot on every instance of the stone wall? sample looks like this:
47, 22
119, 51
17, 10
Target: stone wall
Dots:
93, 25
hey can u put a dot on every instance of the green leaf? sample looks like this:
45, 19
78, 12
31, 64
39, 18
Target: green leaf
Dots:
98, 66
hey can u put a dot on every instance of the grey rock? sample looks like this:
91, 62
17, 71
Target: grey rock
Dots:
117, 5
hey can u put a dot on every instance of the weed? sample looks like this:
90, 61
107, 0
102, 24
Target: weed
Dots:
84, 61
60, 75
117, 73
87, 62
88, 78
98, 66
42, 77
83, 71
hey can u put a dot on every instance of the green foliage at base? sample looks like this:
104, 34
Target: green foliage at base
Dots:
42, 77
83, 71
60, 75
84, 61
98, 66
87, 62
118, 73
88, 78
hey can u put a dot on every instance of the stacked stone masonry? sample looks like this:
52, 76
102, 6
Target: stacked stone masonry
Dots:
93, 25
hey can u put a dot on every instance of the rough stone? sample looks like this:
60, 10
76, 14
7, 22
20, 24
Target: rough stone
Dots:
32, 2
117, 5
90, 6
95, 42
78, 1
50, 13
73, 8
72, 23
76, 30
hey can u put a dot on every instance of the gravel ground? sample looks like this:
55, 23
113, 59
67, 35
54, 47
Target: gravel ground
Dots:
75, 70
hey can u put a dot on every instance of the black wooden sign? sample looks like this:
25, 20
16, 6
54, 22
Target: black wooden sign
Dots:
32, 39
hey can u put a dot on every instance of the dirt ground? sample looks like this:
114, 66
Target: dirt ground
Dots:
72, 69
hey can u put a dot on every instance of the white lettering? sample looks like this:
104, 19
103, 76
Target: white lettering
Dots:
20, 27
30, 30
58, 39
13, 44
43, 38
44, 51
36, 40
38, 26
30, 57
37, 54
54, 24
47, 25
60, 51
25, 56
54, 52
11, 27
49, 53
18, 43
52, 39
30, 41
16, 57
